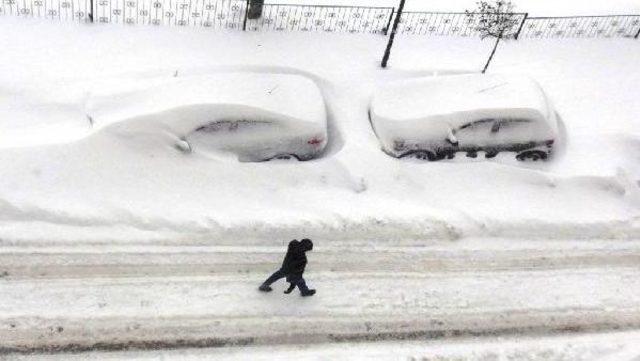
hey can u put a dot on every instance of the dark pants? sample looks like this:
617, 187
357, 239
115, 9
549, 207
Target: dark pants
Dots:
274, 277
298, 281
302, 285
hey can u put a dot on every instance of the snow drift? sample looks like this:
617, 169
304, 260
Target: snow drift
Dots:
431, 112
124, 181
256, 116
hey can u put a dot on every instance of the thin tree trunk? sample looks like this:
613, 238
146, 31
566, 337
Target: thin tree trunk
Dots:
492, 53
387, 52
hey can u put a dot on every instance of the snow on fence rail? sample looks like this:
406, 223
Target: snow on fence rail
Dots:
439, 23
458, 24
627, 26
74, 10
236, 15
217, 14
352, 19
226, 14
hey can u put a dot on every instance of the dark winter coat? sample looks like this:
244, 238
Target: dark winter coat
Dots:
295, 260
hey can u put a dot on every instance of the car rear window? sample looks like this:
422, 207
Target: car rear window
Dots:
231, 125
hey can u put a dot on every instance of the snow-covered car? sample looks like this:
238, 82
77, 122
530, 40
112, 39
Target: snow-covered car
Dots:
434, 118
254, 116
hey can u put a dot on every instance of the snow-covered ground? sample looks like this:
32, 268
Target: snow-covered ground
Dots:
63, 182
107, 238
615, 346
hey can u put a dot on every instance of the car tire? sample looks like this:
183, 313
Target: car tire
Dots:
285, 156
532, 155
422, 155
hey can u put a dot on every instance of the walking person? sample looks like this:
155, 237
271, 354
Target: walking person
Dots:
292, 268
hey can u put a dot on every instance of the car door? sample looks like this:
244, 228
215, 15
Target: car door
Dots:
477, 134
516, 131
246, 138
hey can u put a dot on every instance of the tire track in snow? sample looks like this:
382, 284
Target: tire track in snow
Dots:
85, 314
108, 262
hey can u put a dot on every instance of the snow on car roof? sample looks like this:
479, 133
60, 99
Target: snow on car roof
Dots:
202, 99
459, 99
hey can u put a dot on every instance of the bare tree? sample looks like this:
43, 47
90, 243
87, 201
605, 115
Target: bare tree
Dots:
494, 19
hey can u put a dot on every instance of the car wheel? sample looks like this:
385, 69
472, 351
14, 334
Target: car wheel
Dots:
472, 154
532, 155
422, 155
490, 154
285, 157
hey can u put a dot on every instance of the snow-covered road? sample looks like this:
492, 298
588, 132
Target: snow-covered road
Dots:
472, 255
609, 346
162, 296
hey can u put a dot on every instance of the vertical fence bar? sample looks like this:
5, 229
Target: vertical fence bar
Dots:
524, 19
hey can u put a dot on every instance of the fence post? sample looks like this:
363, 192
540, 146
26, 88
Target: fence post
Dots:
387, 52
246, 15
90, 14
526, 15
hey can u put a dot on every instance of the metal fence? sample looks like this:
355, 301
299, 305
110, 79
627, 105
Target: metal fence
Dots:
350, 19
218, 14
627, 26
443, 24
232, 15
73, 10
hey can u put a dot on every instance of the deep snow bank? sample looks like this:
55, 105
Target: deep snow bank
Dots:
46, 114
431, 98
431, 110
254, 115
294, 97
107, 187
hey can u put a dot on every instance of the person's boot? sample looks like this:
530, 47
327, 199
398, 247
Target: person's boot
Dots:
290, 289
307, 293
265, 288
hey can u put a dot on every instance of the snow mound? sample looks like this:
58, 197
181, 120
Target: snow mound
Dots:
256, 116
450, 95
47, 114
435, 108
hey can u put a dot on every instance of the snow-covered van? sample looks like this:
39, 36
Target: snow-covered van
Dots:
434, 118
254, 116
